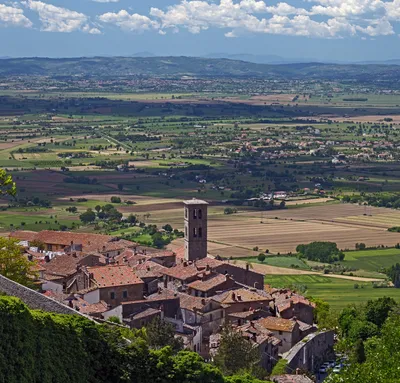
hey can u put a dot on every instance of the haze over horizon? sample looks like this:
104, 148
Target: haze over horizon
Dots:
322, 30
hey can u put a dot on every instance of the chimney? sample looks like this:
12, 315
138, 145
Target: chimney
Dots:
239, 297
47, 258
208, 267
247, 267
233, 296
203, 302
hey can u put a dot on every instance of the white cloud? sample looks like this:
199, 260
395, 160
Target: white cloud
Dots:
129, 22
13, 16
58, 19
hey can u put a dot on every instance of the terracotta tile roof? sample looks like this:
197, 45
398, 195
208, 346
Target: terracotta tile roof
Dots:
146, 313
182, 272
242, 314
149, 269
277, 324
209, 283
107, 246
241, 295
63, 265
211, 262
111, 276
66, 237
129, 257
180, 252
90, 308
286, 304
24, 235
190, 302
258, 334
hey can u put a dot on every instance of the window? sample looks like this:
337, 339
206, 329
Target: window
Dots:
199, 213
200, 232
194, 213
125, 294
185, 232
186, 212
195, 232
112, 295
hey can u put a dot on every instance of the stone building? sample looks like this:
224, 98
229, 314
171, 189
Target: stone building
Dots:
195, 218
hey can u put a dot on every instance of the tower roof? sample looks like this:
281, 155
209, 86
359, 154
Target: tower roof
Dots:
195, 201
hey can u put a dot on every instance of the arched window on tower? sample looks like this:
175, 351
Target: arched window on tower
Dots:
194, 213
200, 232
199, 213
194, 232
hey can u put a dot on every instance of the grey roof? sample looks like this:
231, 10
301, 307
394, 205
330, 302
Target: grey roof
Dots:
195, 201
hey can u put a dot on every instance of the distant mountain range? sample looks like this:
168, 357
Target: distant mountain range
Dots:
196, 67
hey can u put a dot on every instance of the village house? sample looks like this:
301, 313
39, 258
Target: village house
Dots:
289, 331
289, 305
114, 284
64, 241
209, 284
63, 272
242, 300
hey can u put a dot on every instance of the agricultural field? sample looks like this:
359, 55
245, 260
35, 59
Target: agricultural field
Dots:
337, 292
158, 142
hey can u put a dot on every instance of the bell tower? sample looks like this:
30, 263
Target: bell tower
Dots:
195, 213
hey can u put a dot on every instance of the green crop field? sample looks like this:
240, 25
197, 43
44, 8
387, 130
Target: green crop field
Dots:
337, 292
372, 260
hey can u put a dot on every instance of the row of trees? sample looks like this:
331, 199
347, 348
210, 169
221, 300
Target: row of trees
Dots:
326, 252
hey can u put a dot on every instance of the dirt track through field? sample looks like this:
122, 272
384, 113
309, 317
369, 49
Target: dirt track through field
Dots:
274, 270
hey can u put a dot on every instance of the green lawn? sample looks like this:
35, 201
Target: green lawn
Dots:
337, 292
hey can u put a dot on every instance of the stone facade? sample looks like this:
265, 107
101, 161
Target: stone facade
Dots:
311, 352
195, 219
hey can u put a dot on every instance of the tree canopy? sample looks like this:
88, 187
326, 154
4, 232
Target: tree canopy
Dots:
326, 252
13, 264
7, 185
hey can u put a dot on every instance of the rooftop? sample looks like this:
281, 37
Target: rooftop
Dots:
240, 296
195, 201
111, 276
277, 324
182, 271
210, 282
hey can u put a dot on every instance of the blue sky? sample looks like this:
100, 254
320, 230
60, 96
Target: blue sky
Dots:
345, 30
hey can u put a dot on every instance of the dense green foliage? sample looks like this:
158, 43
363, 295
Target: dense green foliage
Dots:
321, 252
381, 355
7, 185
13, 264
236, 354
39, 347
393, 273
